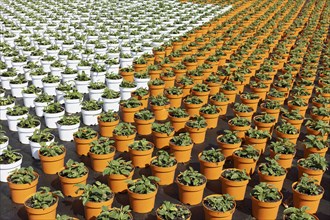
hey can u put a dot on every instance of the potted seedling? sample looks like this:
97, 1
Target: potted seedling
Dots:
266, 200
124, 135
314, 165
298, 104
141, 79
219, 206
192, 104
197, 127
50, 83
142, 193
142, 94
186, 83
22, 183
37, 75
315, 144
318, 128
292, 213
110, 99
126, 88
240, 125
181, 147
82, 82
107, 122
170, 210
191, 186
307, 192
29, 94
174, 94
51, 157
68, 75
98, 73
5, 103
229, 142
178, 118
320, 113
162, 134
257, 138
230, 91
271, 107
272, 173
276, 95
94, 197
101, 152
211, 163
42, 101
42, 204
67, 126
211, 114
163, 166
90, 111
293, 117
4, 140
234, 182
61, 90
26, 127
72, 174
202, 91
38, 138
72, 101
6, 76
288, 131
17, 85
143, 120
243, 111
9, 160
14, 115
96, 90
140, 152
246, 158
122, 213
83, 137
118, 171
264, 122
129, 107
160, 105
53, 113
127, 73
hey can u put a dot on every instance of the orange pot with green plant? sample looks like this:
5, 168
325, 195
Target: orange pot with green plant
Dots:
124, 135
211, 163
181, 147
197, 127
52, 158
83, 138
234, 182
107, 122
163, 166
246, 159
162, 134
141, 152
101, 152
272, 173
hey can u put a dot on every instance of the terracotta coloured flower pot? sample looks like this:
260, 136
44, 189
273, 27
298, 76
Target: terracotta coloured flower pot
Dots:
143, 127
156, 90
106, 128
319, 117
175, 100
247, 164
52, 165
192, 109
141, 158
315, 174
142, 203
316, 133
214, 87
165, 174
259, 144
162, 140
118, 182
20, 192
211, 119
292, 137
216, 215
264, 126
296, 123
143, 99
122, 142
222, 105
253, 103
284, 160
314, 150
100, 161
179, 73
41, 214
68, 185
182, 154
231, 95
159, 217
234, 188
128, 113
154, 74
169, 81
196, 134
239, 129
311, 201
261, 92
247, 115
204, 96
265, 210
191, 195
178, 123
273, 112
211, 171
161, 112
276, 181
93, 209
228, 149
83, 145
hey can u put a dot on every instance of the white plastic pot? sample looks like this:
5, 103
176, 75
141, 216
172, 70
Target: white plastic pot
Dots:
3, 111
4, 146
86, 69
82, 86
19, 66
90, 117
52, 118
111, 104
29, 99
68, 77
114, 84
60, 96
35, 146
98, 77
39, 108
56, 71
25, 133
50, 88
5, 82
16, 89
95, 94
126, 62
46, 65
65, 132
142, 83
125, 93
72, 105
113, 68
73, 64
37, 80
6, 169
13, 121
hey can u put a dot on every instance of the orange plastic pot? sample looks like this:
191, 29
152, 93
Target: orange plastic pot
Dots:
182, 154
292, 137
228, 149
234, 188
20, 192
253, 103
162, 140
156, 90
139, 67
141, 158
239, 129
264, 126
142, 99
83, 145
211, 171
311, 201
52, 165
191, 195
223, 106
197, 135
100, 161
118, 182
260, 91
122, 142
316, 133
315, 174
204, 96
265, 210
211, 119
175, 100
169, 81
190, 66
247, 164
185, 89
259, 144
247, 115
216, 215
231, 95
319, 117
284, 160
273, 112
142, 203
68, 185
159, 217
128, 113
41, 214
160, 112
178, 123
192, 109
165, 174
179, 73
296, 123
276, 181
143, 127
159, 55
93, 209
279, 99
128, 76
106, 128
155, 74
214, 87
314, 150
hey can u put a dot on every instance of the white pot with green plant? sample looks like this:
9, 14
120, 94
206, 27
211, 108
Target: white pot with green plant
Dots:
53, 113
61, 90
4, 141
50, 83
90, 111
67, 126
13, 161
82, 82
98, 73
14, 114
17, 85
72, 101
96, 90
126, 89
6, 76
5, 103
113, 81
37, 75
69, 75
29, 94
111, 100
26, 127
41, 102
141, 79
